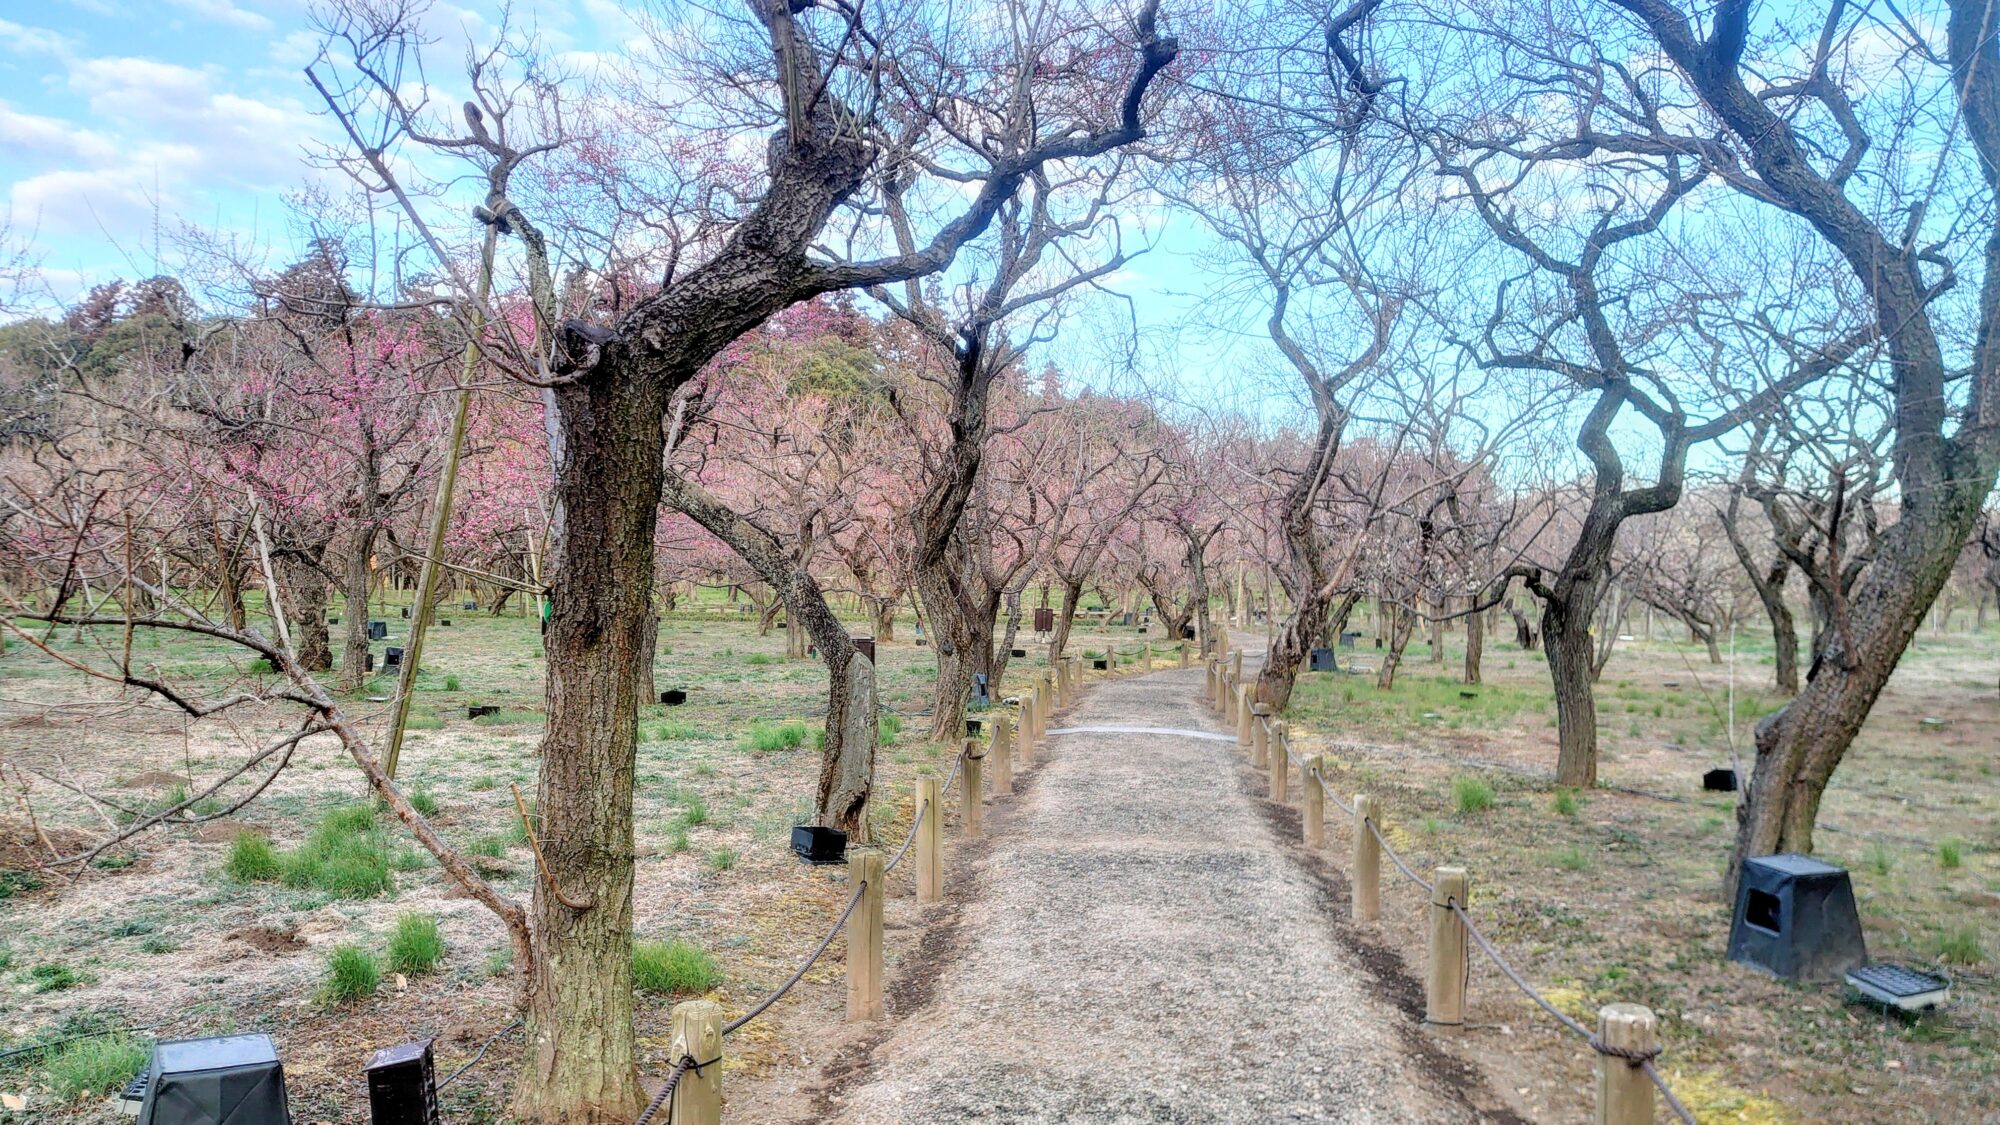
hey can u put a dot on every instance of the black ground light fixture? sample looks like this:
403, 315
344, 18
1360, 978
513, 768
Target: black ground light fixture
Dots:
1347, 639
378, 630
478, 709
1719, 780
230, 1080
393, 658
1322, 660
673, 697
402, 1085
1795, 918
816, 843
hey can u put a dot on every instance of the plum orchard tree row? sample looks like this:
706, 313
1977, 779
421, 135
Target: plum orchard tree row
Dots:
1637, 307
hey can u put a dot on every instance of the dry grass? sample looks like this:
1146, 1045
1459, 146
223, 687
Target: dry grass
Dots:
173, 941
1612, 894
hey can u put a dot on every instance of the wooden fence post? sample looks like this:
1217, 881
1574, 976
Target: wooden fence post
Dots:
697, 1032
930, 841
1367, 866
1260, 734
864, 937
1244, 720
1281, 762
1207, 680
1444, 984
1003, 756
1184, 654
1624, 1093
1312, 795
973, 788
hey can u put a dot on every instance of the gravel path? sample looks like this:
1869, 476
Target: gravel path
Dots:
1137, 946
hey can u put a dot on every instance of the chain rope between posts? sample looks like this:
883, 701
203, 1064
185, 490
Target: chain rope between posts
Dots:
687, 1062
1631, 1056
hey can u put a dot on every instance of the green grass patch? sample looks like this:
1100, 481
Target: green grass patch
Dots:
1566, 803
673, 968
451, 683
90, 1067
721, 859
1961, 946
351, 974
767, 737
1471, 795
53, 977
348, 855
1951, 854
416, 946
252, 859
423, 802
1573, 858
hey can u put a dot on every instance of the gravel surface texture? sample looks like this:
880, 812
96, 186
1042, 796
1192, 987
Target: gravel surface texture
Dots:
1137, 946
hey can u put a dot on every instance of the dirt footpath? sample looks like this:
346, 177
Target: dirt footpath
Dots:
1138, 946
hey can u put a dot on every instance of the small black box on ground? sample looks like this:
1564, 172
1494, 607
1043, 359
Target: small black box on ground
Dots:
1347, 639
1322, 660
1100, 663
973, 727
866, 646
478, 709
1722, 780
393, 658
402, 1085
234, 1078
674, 698
406, 611
1900, 987
468, 605
817, 844
1187, 632
1795, 918
1045, 620
1017, 652
378, 630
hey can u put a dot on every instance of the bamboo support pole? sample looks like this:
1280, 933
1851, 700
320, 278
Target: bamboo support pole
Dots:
864, 937
1444, 983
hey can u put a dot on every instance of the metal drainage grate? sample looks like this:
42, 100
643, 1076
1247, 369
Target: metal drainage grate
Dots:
1899, 986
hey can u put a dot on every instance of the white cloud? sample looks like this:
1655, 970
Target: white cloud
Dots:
19, 39
222, 11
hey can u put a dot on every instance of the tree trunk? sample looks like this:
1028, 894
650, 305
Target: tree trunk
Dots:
579, 1065
1065, 619
1524, 630
1799, 747
303, 589
1566, 638
354, 591
1404, 625
1475, 645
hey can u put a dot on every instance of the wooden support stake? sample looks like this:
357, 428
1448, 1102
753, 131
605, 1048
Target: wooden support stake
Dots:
697, 1031
1367, 866
1002, 754
1624, 1093
1444, 984
1026, 743
1244, 720
972, 789
1260, 735
1184, 654
864, 937
1207, 680
1312, 795
1236, 665
1281, 762
930, 841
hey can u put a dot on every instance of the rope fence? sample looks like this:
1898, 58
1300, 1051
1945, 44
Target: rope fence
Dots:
1627, 1039
698, 1026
